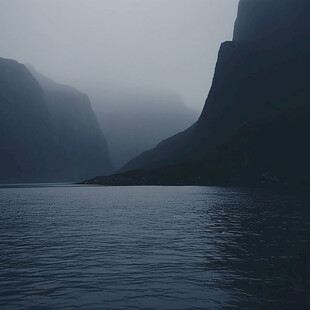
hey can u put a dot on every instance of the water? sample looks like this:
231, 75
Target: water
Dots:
67, 247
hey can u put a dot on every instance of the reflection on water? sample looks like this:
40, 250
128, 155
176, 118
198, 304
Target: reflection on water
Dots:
153, 248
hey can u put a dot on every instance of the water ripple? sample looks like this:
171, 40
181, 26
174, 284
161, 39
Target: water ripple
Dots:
177, 248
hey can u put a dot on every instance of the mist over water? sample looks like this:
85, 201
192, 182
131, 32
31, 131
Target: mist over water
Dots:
99, 45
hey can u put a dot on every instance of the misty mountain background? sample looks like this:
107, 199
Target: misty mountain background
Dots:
99, 46
131, 121
135, 121
146, 65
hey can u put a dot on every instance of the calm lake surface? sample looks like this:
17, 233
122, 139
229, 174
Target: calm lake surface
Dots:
71, 247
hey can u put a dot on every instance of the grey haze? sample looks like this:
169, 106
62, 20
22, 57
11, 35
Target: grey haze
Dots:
99, 45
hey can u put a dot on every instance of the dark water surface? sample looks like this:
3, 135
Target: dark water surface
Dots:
177, 248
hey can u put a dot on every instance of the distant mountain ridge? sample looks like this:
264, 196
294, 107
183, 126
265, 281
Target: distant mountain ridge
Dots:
261, 74
48, 131
137, 120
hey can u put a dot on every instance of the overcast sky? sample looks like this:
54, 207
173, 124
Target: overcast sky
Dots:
97, 45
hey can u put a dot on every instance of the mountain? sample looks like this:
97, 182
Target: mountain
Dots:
268, 152
260, 76
25, 125
135, 121
272, 22
48, 131
77, 134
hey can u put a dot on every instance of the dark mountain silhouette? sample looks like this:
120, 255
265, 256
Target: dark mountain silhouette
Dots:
25, 125
260, 75
271, 23
48, 131
137, 120
78, 135
270, 152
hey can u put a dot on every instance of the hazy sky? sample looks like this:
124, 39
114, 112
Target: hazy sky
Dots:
97, 45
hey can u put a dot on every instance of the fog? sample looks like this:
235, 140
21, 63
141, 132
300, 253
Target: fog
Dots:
104, 45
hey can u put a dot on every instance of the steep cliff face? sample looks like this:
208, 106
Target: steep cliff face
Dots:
25, 125
263, 72
46, 133
80, 145
272, 22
